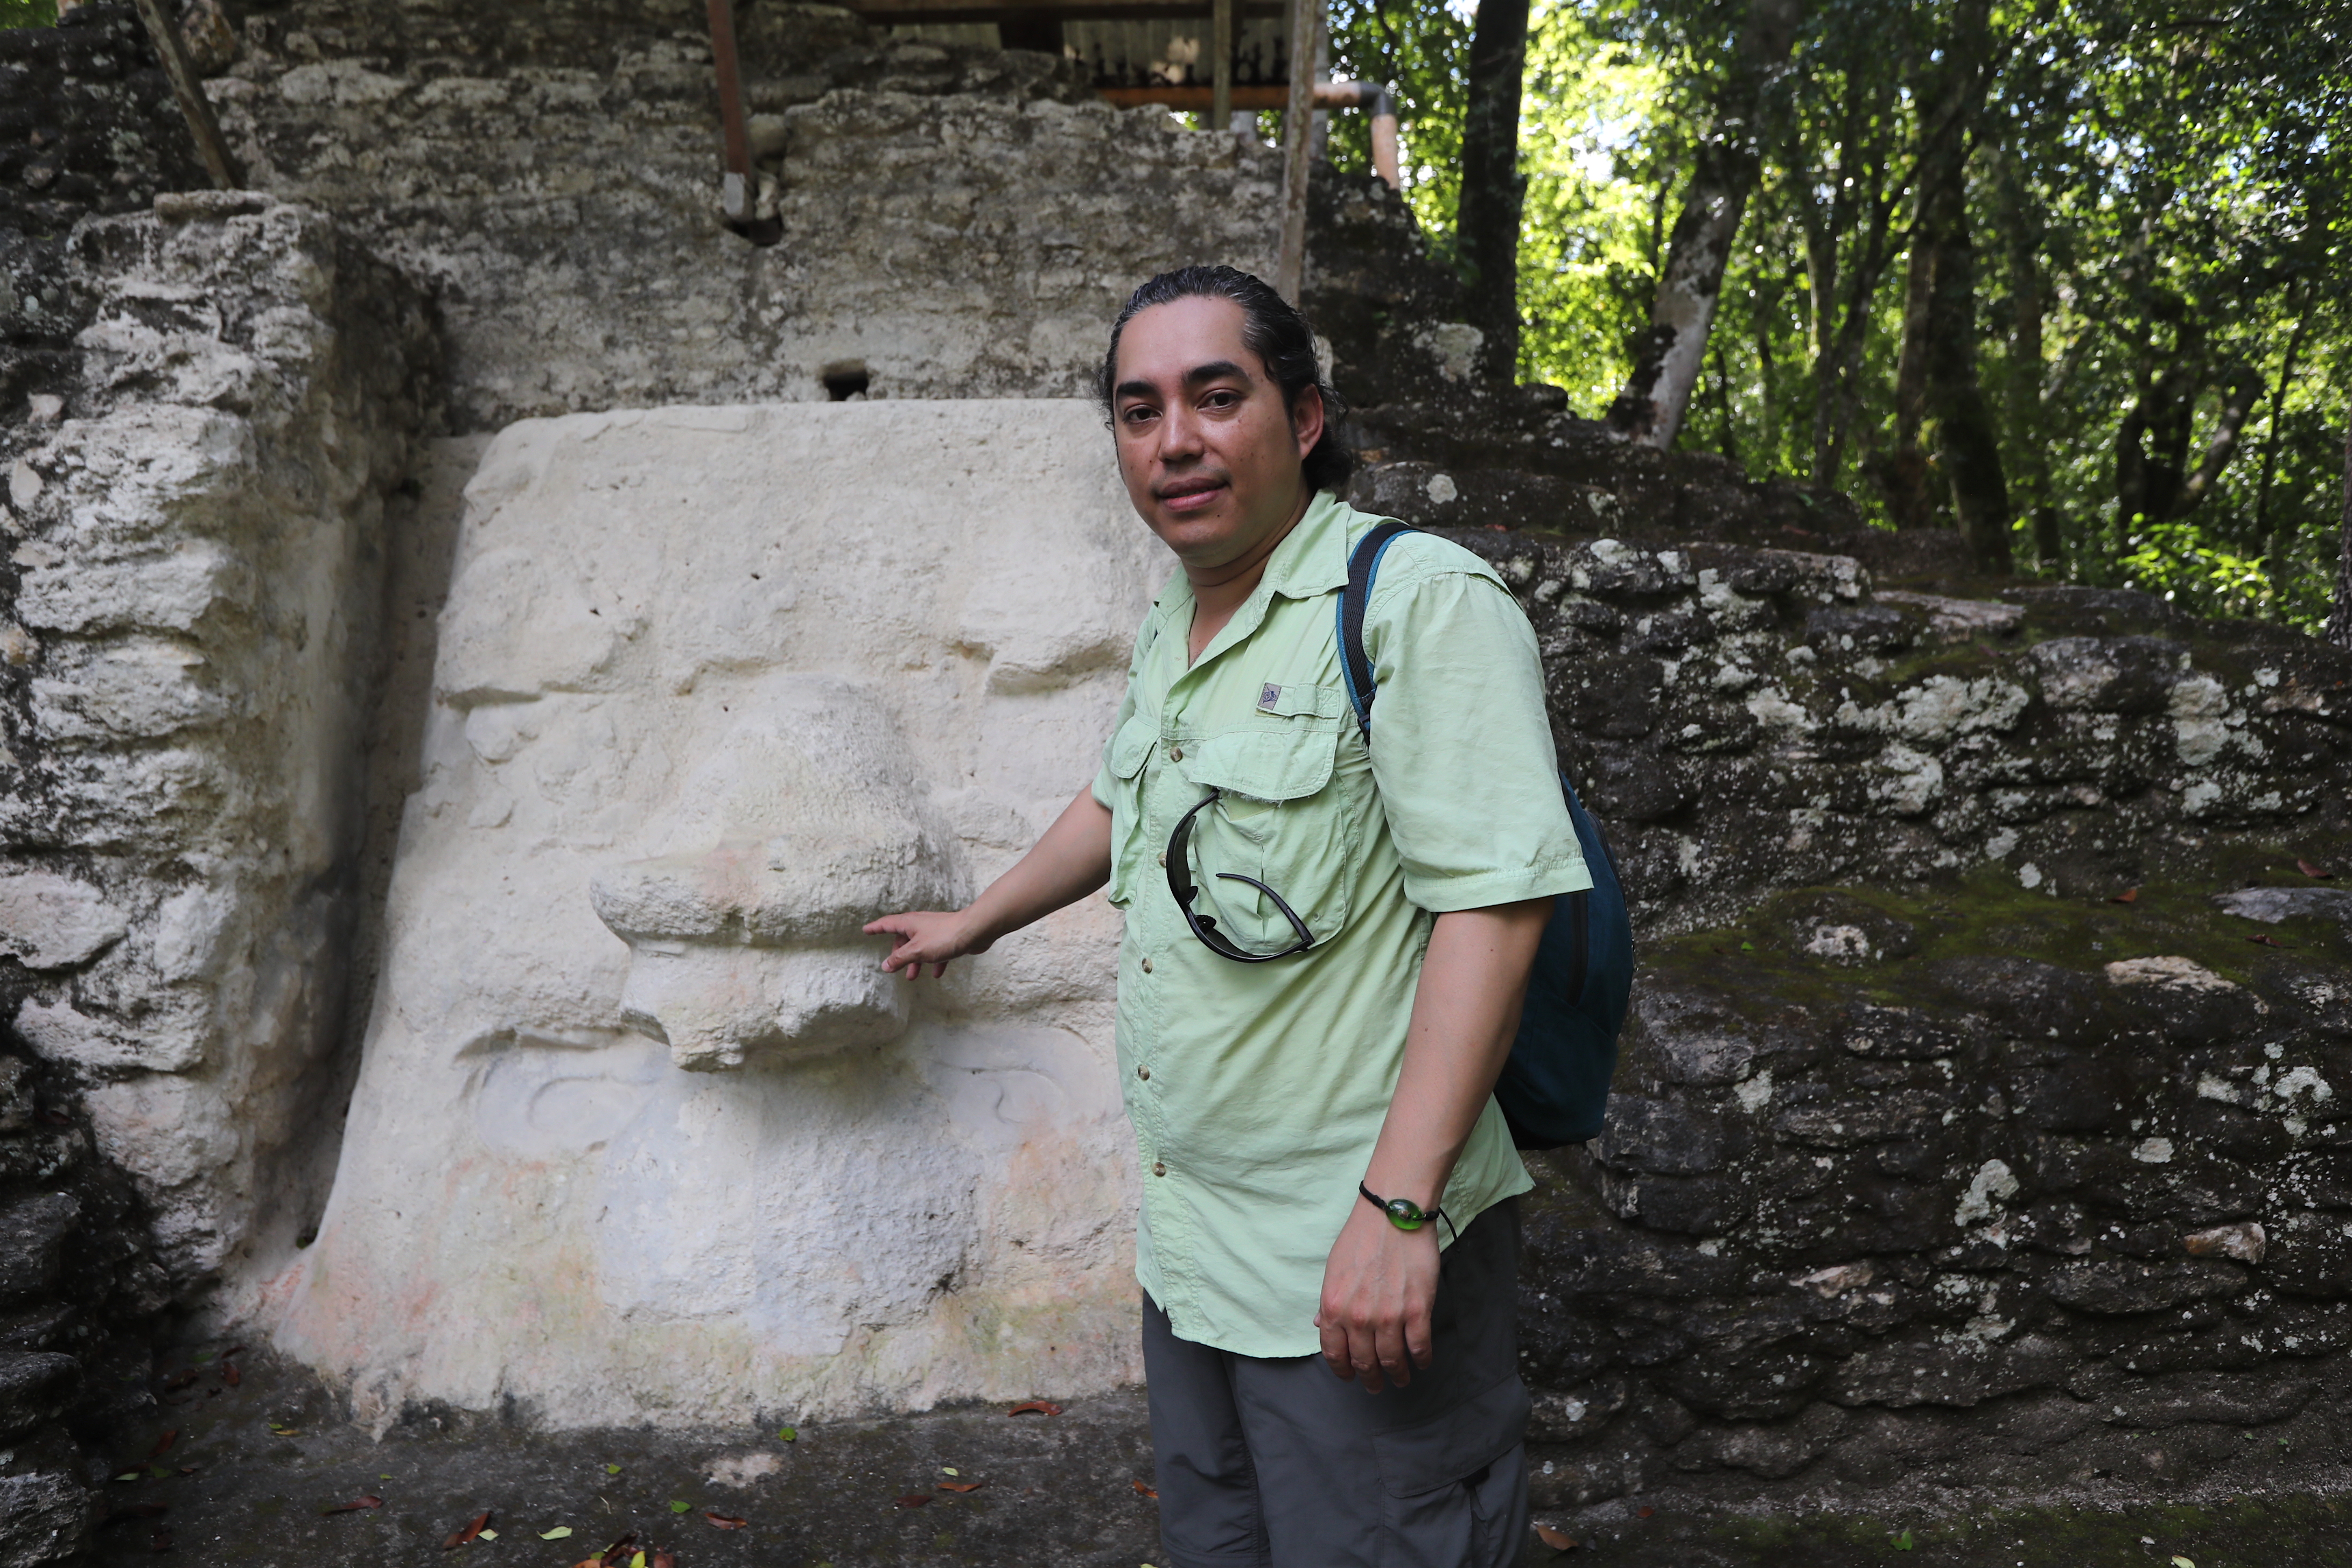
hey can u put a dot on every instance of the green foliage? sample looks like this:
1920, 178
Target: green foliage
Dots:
28, 13
2160, 202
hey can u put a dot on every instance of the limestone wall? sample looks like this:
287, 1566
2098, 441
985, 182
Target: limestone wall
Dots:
642, 1132
191, 644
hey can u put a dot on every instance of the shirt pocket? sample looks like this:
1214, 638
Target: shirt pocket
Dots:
1129, 749
1280, 819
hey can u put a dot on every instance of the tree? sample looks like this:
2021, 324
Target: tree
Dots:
1667, 361
2340, 624
1486, 228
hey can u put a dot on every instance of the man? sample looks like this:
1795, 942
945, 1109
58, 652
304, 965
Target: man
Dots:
1326, 947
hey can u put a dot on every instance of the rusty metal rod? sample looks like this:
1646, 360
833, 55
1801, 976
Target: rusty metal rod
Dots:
736, 187
1297, 144
189, 88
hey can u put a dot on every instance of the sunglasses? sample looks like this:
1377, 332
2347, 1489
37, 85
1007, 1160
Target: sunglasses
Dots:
1180, 884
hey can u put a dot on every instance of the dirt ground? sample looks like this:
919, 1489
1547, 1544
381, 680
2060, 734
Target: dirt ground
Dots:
254, 1468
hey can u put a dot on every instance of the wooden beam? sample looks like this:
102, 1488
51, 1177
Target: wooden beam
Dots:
1327, 95
1297, 138
886, 13
189, 88
1221, 67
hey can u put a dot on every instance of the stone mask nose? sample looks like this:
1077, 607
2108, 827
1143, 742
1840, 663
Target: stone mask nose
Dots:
744, 938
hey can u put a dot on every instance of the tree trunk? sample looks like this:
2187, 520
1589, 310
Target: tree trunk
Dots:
1487, 221
2029, 444
1968, 443
1935, 377
2339, 625
2241, 386
1667, 360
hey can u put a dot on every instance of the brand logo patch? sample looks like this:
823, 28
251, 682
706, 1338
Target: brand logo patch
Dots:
1270, 696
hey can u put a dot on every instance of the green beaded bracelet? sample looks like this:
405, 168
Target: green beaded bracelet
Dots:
1404, 1213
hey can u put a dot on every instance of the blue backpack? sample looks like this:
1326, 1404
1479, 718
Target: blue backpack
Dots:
1555, 1088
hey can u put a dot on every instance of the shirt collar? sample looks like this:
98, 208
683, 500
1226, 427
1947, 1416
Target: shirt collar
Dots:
1311, 560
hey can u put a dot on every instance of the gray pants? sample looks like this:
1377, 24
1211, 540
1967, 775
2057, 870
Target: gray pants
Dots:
1279, 1464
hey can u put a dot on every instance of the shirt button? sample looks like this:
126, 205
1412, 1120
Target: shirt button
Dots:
1163, 857
1146, 966
1144, 1073
1158, 1169
1175, 754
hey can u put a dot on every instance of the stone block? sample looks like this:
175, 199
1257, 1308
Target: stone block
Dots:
34, 1388
49, 921
45, 1517
31, 1231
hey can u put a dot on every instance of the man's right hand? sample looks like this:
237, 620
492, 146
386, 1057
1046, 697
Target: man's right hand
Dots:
1069, 862
930, 936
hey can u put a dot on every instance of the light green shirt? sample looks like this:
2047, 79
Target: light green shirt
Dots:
1258, 1089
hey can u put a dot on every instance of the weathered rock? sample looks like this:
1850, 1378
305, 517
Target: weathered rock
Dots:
34, 1388
32, 1229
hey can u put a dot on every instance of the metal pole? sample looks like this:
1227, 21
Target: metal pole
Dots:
1221, 67
1298, 133
735, 189
190, 91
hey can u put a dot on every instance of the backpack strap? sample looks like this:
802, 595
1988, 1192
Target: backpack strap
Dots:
1355, 664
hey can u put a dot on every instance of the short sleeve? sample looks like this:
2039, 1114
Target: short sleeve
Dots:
1462, 746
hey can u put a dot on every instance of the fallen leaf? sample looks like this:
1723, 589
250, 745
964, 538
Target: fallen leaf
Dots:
611, 1470
679, 1505
488, 1535
1558, 1540
1147, 1491
1644, 1513
789, 1434
161, 1542
949, 1470
619, 1546
231, 1351
179, 1381
230, 1375
912, 1500
2128, 896
595, 1561
2269, 941
560, 1533
128, 1475
2308, 869
2182, 1562
1035, 1407
156, 1472
664, 1560
731, 1522
475, 1526
163, 1444
355, 1505
1903, 1542
191, 1469
637, 1561
962, 1486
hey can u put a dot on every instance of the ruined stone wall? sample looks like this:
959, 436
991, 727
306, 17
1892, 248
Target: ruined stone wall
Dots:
1983, 1120
956, 222
190, 645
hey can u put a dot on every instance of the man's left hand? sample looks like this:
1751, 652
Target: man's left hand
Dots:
1380, 1287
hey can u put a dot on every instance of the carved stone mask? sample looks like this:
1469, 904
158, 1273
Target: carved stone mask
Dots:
806, 821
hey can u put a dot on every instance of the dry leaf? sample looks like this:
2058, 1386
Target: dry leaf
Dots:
1558, 1540
1644, 1513
180, 1380
2308, 869
912, 1500
457, 1538
2128, 896
962, 1486
731, 1522
163, 1444
595, 1561
617, 1548
231, 1351
2269, 941
160, 1543
1035, 1406
356, 1504
1147, 1491
230, 1375
664, 1560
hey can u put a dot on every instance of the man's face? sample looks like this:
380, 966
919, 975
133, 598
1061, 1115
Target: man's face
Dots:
1210, 455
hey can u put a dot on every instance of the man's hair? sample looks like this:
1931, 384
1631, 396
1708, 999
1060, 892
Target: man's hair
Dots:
1273, 330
